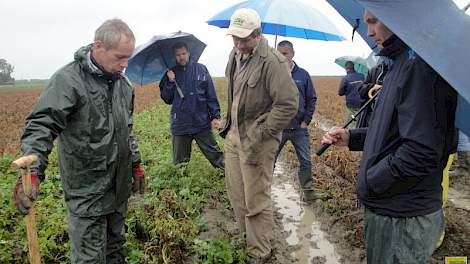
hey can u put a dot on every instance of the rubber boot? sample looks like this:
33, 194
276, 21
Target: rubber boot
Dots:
306, 183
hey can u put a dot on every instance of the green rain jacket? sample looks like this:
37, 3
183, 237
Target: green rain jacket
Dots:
96, 146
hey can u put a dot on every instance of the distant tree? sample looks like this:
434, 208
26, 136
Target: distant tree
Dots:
6, 69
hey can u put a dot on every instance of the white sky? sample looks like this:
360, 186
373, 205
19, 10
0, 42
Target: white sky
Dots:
38, 37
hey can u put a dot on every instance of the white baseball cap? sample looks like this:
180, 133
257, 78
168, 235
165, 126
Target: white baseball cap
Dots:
243, 22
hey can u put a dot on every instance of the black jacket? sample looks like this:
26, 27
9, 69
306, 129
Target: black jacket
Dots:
409, 139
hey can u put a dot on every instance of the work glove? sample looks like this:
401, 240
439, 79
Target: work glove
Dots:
138, 182
22, 200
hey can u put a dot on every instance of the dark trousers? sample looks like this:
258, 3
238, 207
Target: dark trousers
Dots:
207, 144
301, 141
98, 239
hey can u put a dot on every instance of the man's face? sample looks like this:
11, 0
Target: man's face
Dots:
246, 45
287, 51
376, 29
182, 56
114, 60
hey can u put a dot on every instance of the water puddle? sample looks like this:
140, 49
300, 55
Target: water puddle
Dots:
298, 219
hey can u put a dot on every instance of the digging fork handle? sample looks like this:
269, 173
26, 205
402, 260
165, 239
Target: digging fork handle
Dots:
23, 164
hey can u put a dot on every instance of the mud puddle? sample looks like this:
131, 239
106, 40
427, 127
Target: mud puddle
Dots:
302, 228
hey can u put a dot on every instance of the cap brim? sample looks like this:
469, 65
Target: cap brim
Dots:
239, 32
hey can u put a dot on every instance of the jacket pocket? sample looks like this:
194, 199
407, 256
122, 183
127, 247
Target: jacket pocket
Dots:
256, 96
255, 136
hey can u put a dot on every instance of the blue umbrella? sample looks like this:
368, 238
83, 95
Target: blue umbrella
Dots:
289, 18
152, 59
437, 30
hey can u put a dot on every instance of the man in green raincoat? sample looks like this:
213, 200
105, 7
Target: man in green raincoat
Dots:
88, 105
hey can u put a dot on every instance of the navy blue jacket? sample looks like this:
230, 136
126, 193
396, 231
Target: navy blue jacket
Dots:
349, 86
409, 139
307, 97
199, 106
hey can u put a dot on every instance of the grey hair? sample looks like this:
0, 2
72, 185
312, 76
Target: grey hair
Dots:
109, 33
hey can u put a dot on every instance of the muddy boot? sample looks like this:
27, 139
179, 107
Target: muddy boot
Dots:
309, 194
463, 165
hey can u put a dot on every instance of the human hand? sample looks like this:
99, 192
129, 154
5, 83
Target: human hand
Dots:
171, 75
138, 179
22, 200
336, 136
303, 124
215, 123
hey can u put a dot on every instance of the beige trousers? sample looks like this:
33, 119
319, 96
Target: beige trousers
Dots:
249, 191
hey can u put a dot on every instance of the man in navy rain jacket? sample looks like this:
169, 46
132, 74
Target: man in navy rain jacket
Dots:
297, 131
406, 148
349, 86
195, 112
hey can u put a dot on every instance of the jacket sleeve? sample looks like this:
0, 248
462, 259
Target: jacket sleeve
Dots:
47, 120
357, 137
343, 86
420, 151
136, 157
212, 102
310, 99
167, 90
285, 97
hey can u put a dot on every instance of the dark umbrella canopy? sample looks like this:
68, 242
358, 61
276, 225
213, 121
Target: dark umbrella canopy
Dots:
152, 59
353, 13
438, 31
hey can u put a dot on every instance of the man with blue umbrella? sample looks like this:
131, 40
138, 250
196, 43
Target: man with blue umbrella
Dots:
262, 99
406, 148
193, 112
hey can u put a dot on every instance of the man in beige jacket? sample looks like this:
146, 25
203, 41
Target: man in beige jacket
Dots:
262, 99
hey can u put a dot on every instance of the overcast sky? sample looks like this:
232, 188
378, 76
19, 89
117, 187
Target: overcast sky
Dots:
38, 37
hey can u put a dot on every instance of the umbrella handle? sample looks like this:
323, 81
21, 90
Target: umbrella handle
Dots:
178, 89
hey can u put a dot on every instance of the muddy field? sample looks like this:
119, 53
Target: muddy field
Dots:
16, 104
335, 172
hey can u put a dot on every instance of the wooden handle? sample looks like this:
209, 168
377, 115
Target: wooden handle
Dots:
25, 161
23, 164
31, 232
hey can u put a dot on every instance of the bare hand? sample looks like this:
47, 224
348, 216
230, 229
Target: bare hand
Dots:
303, 124
336, 136
216, 123
171, 75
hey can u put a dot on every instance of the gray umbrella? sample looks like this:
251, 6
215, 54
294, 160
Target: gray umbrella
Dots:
439, 32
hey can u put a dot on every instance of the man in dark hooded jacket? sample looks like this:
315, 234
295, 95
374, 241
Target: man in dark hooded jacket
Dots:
406, 148
349, 87
88, 105
195, 111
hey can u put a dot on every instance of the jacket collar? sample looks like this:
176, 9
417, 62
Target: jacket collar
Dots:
85, 58
393, 47
180, 67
